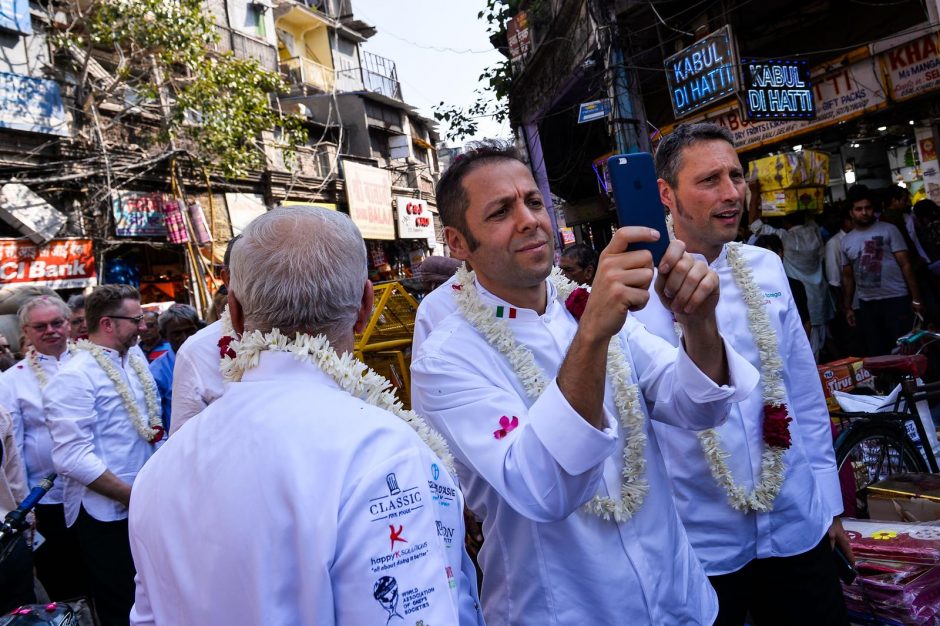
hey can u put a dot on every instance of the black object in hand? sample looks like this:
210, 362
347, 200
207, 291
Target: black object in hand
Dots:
844, 567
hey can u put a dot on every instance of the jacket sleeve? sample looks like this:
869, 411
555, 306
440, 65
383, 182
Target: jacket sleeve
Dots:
389, 556
141, 612
187, 399
70, 414
544, 460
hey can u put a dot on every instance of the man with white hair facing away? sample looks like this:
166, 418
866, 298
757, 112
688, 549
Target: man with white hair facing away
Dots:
45, 321
318, 502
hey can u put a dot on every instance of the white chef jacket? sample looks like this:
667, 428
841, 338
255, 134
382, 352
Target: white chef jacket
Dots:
288, 501
545, 560
92, 432
197, 379
725, 539
433, 308
21, 395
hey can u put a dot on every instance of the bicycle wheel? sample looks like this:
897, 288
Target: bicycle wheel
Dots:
873, 452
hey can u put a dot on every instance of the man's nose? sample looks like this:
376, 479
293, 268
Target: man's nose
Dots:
730, 190
525, 217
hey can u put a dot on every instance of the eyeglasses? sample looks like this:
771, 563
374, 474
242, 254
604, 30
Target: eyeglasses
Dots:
136, 319
54, 325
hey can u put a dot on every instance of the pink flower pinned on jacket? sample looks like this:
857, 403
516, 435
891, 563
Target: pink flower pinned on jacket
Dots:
577, 301
507, 426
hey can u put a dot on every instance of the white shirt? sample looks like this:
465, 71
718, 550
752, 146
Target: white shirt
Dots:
725, 539
546, 561
92, 432
433, 308
21, 395
834, 259
197, 380
803, 261
287, 501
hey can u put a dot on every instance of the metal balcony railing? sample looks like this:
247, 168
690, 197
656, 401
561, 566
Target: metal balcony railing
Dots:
303, 71
380, 75
245, 47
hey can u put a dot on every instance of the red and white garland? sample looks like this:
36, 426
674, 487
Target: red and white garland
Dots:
497, 333
776, 419
151, 429
239, 354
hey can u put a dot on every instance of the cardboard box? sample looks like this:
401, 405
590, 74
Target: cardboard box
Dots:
906, 498
806, 168
783, 201
842, 375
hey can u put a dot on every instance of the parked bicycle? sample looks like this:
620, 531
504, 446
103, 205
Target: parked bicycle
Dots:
874, 445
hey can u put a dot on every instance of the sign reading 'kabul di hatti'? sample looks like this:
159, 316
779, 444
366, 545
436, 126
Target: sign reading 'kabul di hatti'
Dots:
703, 73
777, 89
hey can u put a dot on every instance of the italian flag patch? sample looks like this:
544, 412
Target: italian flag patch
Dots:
506, 311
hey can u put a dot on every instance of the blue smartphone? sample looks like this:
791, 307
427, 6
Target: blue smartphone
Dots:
636, 194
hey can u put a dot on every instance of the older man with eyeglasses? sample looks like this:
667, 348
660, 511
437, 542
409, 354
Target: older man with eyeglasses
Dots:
45, 322
103, 412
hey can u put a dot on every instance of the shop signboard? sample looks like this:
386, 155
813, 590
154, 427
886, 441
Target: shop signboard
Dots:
520, 44
913, 68
703, 73
777, 89
59, 264
927, 151
415, 220
845, 94
595, 110
138, 214
32, 104
369, 193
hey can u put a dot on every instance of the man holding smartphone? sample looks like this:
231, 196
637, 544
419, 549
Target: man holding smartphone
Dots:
547, 408
759, 495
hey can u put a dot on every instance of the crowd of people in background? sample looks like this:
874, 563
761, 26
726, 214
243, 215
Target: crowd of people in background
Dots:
649, 384
856, 293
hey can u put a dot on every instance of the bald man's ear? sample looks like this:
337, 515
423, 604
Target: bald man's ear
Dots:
365, 308
236, 313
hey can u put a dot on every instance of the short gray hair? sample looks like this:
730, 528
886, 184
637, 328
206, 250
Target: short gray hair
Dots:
76, 302
177, 312
669, 152
300, 269
40, 301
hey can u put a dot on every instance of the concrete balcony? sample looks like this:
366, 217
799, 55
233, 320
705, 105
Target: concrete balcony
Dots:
380, 75
303, 71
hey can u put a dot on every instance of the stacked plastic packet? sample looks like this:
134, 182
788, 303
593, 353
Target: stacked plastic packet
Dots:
898, 567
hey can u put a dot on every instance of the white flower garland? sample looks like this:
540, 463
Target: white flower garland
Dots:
152, 429
352, 375
32, 358
762, 498
497, 333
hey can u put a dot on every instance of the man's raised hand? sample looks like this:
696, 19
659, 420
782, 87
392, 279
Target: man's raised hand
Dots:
686, 286
621, 283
